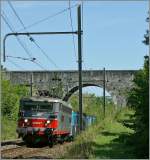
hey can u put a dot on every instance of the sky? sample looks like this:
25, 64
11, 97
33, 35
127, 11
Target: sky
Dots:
112, 35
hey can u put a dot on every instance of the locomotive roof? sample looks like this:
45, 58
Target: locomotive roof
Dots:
46, 99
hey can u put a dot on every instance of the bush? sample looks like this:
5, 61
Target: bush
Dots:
8, 128
11, 95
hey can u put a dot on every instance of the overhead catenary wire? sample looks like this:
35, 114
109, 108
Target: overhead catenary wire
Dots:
18, 39
73, 37
13, 30
16, 14
37, 63
48, 17
50, 60
19, 67
42, 20
31, 38
24, 27
6, 21
33, 60
16, 65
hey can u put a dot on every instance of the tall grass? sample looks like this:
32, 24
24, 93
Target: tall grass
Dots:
82, 146
8, 128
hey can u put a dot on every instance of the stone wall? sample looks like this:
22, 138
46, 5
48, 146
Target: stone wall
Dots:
117, 81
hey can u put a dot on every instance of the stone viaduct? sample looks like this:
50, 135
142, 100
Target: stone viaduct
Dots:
117, 81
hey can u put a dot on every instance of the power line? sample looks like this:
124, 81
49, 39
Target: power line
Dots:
50, 60
48, 17
16, 14
16, 65
22, 58
31, 38
31, 60
38, 46
24, 47
13, 30
73, 38
10, 27
37, 63
19, 40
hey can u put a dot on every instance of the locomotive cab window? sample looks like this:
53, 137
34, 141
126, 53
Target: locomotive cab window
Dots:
37, 109
37, 106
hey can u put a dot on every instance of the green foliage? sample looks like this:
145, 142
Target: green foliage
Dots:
92, 105
8, 128
110, 143
11, 95
74, 102
146, 36
104, 139
139, 100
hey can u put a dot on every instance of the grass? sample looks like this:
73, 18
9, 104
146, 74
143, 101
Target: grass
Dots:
111, 142
105, 140
8, 129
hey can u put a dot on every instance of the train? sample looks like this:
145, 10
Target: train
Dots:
48, 120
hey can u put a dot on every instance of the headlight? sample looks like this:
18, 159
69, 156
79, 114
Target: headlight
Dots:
26, 120
48, 121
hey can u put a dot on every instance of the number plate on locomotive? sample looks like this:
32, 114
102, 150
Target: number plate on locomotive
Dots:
36, 122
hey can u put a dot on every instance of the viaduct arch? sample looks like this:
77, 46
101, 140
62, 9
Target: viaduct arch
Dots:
74, 89
117, 81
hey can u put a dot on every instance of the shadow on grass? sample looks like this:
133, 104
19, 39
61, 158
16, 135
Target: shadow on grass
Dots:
106, 133
127, 123
129, 115
121, 147
118, 148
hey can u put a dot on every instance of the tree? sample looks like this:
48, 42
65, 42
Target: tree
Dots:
11, 95
139, 100
146, 36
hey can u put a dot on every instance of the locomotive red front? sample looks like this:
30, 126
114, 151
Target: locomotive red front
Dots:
44, 119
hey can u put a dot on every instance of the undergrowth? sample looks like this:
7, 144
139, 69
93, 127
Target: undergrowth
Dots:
87, 143
8, 128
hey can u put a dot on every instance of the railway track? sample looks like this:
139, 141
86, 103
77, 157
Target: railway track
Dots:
6, 145
20, 151
9, 142
11, 146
